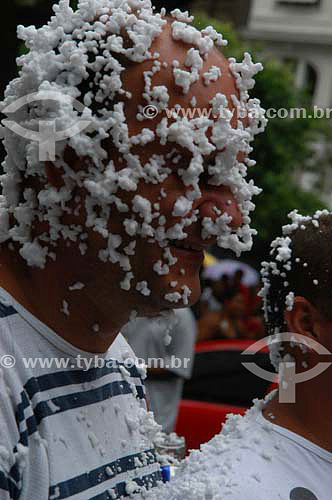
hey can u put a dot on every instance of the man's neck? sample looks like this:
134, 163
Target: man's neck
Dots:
43, 293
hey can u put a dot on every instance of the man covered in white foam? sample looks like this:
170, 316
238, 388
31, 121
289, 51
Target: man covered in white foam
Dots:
281, 448
116, 224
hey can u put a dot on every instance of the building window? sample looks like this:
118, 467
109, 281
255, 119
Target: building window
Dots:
306, 76
312, 79
299, 2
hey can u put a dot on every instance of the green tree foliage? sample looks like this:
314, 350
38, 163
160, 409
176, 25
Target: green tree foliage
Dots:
285, 147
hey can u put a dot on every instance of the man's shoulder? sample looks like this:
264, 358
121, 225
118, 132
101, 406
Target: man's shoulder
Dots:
6, 311
250, 459
7, 315
16, 335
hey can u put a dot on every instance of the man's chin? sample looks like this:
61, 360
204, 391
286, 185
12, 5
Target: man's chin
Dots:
164, 297
186, 300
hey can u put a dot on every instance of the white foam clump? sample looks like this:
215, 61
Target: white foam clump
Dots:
182, 16
160, 268
125, 283
131, 487
290, 301
173, 297
142, 287
212, 75
65, 308
215, 36
182, 207
186, 294
76, 286
214, 471
34, 253
244, 73
194, 59
185, 79
191, 35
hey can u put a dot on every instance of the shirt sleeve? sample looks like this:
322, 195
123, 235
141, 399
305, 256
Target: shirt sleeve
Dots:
180, 352
11, 451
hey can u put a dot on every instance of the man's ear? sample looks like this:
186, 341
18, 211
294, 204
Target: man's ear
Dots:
303, 318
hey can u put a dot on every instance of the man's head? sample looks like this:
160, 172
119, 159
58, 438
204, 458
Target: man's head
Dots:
140, 196
298, 281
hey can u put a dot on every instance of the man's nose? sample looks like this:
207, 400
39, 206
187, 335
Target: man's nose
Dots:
217, 201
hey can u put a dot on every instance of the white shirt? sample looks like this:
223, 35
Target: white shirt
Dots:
67, 432
147, 338
253, 459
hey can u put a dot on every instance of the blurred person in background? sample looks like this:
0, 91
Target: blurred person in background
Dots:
169, 359
228, 322
245, 320
254, 320
236, 282
213, 293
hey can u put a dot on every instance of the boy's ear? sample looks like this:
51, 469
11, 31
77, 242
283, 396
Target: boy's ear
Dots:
302, 319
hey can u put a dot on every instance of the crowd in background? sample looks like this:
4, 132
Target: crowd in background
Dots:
228, 309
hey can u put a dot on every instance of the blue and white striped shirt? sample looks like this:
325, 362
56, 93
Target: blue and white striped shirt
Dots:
68, 432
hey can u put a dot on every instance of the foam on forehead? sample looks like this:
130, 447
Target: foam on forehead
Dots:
94, 45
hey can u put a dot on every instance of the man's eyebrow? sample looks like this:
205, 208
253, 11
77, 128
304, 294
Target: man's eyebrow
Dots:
209, 158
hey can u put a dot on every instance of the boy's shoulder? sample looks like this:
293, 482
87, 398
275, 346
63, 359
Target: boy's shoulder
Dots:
250, 459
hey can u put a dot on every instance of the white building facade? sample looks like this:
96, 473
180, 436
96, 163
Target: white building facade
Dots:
299, 31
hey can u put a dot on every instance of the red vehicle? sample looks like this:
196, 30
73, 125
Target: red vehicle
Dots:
220, 385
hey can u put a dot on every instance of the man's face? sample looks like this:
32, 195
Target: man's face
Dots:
187, 252
171, 264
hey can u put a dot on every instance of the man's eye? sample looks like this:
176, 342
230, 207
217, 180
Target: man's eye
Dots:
204, 177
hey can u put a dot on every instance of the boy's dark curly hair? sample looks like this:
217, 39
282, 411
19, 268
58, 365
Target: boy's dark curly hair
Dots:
307, 272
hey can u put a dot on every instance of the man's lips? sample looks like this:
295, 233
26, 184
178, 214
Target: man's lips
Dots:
188, 246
